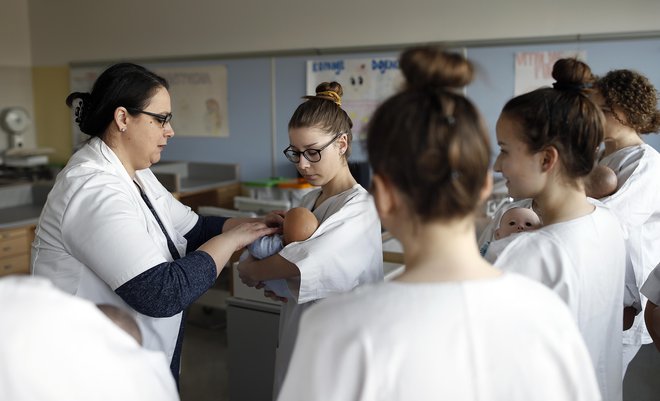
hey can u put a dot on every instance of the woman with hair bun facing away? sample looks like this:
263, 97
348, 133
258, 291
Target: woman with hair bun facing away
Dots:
345, 251
548, 140
630, 104
451, 327
112, 234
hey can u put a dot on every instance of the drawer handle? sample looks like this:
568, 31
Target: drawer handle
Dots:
7, 248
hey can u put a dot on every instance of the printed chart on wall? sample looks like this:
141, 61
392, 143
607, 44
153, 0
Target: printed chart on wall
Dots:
199, 98
534, 69
366, 82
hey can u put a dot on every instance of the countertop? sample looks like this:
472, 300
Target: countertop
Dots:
18, 216
21, 203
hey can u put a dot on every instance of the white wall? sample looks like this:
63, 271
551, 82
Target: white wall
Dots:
14, 34
73, 30
15, 62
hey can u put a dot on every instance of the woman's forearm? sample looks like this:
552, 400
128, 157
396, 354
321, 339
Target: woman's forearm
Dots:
271, 268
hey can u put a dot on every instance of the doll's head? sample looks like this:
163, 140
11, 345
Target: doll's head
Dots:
600, 182
515, 220
299, 224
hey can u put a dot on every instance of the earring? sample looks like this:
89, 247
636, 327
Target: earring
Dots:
122, 129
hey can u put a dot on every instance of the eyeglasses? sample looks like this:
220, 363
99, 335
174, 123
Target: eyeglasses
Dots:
313, 155
162, 118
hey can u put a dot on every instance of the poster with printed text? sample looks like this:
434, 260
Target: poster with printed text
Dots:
198, 95
366, 83
534, 69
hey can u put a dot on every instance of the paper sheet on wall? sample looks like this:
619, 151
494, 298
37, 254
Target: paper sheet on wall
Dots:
198, 94
366, 83
534, 69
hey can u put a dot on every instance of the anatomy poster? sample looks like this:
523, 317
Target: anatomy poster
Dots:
534, 69
366, 83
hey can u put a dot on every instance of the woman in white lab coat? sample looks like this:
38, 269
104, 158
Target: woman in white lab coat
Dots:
451, 327
630, 103
111, 233
548, 140
346, 249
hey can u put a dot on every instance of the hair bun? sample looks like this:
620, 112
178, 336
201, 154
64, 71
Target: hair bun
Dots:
83, 107
430, 66
329, 91
572, 74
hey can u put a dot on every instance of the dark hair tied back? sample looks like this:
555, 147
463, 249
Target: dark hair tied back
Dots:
572, 75
121, 85
429, 140
426, 67
562, 116
84, 104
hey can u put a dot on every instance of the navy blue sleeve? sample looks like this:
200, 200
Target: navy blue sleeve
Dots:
168, 288
206, 228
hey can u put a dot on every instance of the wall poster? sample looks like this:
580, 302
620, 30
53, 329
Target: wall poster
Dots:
366, 82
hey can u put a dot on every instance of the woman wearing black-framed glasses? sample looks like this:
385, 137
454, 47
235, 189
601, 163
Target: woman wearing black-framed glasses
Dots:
111, 233
346, 249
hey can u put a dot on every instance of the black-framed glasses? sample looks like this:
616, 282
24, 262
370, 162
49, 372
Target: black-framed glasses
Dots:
162, 118
313, 155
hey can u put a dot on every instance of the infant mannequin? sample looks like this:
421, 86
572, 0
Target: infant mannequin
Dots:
514, 220
600, 182
299, 224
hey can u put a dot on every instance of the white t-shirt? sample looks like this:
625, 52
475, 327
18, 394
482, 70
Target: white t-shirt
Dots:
344, 252
506, 339
637, 204
55, 346
583, 261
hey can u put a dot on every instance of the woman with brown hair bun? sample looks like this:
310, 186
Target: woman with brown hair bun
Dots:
451, 326
345, 251
548, 140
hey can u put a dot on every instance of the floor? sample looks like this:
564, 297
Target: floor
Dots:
204, 357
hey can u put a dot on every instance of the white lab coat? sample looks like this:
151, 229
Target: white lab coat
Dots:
637, 204
582, 260
96, 233
344, 252
58, 347
651, 288
501, 339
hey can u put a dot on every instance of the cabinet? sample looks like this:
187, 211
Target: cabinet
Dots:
200, 184
15, 250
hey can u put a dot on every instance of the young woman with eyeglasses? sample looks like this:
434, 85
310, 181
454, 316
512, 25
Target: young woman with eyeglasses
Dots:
111, 233
346, 249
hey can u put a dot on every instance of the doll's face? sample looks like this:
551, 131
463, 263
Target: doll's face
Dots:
516, 220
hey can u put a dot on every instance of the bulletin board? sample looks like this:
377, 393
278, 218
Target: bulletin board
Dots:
262, 92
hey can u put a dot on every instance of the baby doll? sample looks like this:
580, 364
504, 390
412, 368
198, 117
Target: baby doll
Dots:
299, 224
600, 182
514, 220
